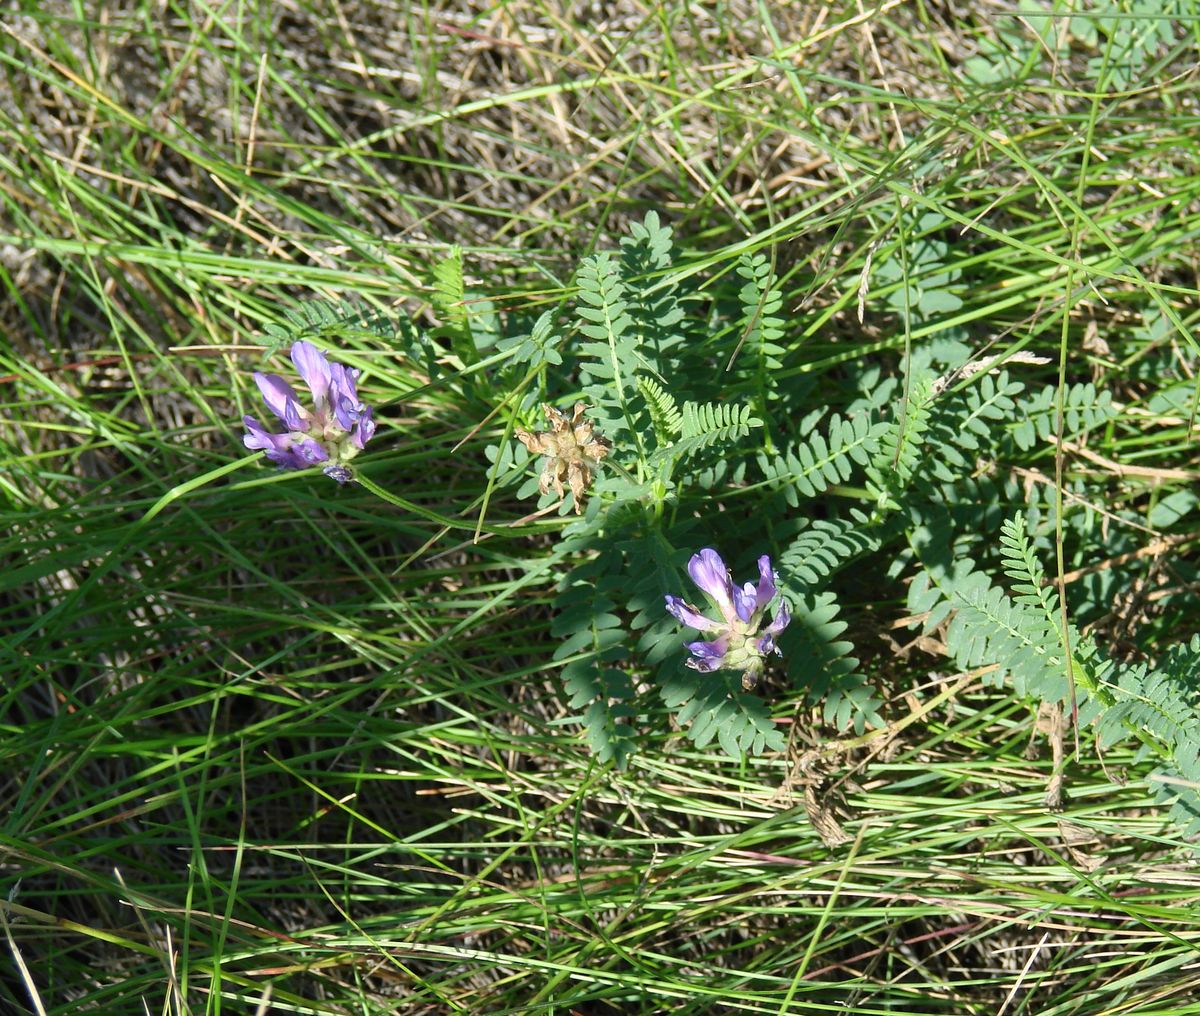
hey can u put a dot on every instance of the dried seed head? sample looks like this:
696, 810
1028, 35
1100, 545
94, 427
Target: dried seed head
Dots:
573, 450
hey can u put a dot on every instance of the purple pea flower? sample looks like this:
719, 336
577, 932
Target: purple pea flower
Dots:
740, 641
333, 431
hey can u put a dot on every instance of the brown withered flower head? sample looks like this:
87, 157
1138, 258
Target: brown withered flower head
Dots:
573, 450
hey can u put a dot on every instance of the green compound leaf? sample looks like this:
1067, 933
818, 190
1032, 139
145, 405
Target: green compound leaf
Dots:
712, 708
449, 298
810, 467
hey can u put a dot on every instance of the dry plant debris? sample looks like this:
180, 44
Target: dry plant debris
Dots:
573, 452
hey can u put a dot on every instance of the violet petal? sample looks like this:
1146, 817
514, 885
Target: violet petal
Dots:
783, 617
309, 452
707, 656
314, 368
343, 395
289, 451
765, 591
685, 613
364, 430
709, 573
745, 601
257, 437
280, 399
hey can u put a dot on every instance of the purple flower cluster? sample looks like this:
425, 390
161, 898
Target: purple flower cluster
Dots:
740, 642
335, 430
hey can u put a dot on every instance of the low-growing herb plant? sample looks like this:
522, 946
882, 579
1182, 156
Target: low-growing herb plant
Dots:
684, 436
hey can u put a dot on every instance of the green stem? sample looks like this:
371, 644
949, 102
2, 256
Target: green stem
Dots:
509, 529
